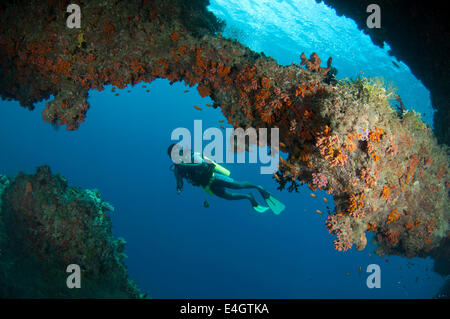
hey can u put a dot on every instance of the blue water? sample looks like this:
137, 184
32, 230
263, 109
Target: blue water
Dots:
176, 247
284, 29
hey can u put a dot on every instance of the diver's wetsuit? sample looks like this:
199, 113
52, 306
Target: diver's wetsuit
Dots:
202, 174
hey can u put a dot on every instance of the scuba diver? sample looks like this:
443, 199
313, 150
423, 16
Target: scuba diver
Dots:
199, 170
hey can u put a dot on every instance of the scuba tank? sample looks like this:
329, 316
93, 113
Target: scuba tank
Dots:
217, 167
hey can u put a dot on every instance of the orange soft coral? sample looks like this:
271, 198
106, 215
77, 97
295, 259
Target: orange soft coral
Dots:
313, 64
330, 149
174, 36
393, 216
356, 204
385, 192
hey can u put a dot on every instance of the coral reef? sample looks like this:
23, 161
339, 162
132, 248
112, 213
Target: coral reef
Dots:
385, 169
45, 225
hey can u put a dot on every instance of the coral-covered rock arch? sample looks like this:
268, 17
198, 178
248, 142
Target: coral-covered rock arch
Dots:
384, 168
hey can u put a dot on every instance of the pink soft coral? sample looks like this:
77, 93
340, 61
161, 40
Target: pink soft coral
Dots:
320, 180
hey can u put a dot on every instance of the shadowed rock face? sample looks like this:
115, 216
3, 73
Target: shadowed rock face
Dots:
45, 225
384, 168
417, 32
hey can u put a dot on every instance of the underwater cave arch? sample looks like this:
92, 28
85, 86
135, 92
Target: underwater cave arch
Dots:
384, 168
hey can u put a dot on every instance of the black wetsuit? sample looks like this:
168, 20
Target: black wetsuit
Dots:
203, 174
197, 174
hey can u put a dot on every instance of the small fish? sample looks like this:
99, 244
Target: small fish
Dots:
208, 105
282, 144
313, 195
144, 86
347, 273
185, 91
276, 176
396, 65
222, 127
387, 259
325, 200
147, 91
197, 107
117, 94
221, 121
318, 212
359, 269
